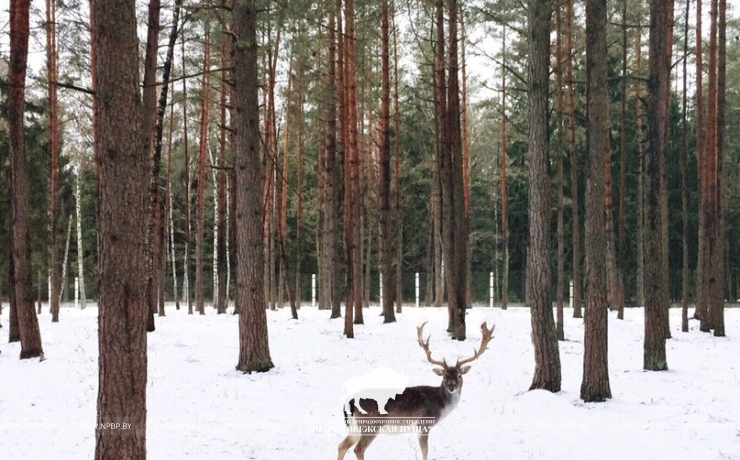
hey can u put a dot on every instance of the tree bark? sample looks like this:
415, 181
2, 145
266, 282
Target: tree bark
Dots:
560, 277
684, 193
459, 223
621, 237
20, 240
504, 199
445, 164
385, 243
640, 173
353, 155
14, 333
51, 76
595, 384
465, 157
397, 154
575, 210
699, 116
717, 312
656, 257
328, 238
547, 357
299, 179
149, 117
254, 350
123, 166
711, 246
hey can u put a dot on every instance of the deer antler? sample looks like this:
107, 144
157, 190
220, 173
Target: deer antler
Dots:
487, 336
425, 346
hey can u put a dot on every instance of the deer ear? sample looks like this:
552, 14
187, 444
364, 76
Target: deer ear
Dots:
438, 371
464, 369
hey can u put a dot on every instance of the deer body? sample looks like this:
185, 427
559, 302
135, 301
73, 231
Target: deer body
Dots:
420, 407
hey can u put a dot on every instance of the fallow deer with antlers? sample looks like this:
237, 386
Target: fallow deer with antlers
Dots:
417, 409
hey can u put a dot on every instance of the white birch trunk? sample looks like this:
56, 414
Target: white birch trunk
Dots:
66, 258
215, 232
228, 237
172, 247
80, 247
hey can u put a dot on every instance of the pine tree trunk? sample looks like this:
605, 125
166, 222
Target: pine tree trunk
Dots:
438, 281
123, 166
465, 157
155, 228
326, 271
699, 116
397, 152
353, 155
445, 166
254, 350
640, 233
575, 210
385, 243
20, 242
684, 193
656, 257
95, 121
14, 333
149, 116
595, 384
560, 277
299, 180
717, 312
615, 297
708, 250
504, 199
547, 358
459, 218
51, 75
349, 248
621, 237
342, 193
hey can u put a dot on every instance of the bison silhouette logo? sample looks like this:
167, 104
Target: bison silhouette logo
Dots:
380, 384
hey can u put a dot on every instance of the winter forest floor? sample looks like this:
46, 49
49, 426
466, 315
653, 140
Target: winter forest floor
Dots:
199, 407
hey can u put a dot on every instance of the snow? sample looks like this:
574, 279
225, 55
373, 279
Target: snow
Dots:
200, 407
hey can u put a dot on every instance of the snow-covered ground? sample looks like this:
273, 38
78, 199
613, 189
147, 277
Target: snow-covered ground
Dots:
199, 407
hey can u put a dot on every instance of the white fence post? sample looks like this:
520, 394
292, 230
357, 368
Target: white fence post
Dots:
490, 290
416, 289
380, 296
313, 289
571, 294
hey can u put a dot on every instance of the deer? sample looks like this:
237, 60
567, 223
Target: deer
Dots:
417, 409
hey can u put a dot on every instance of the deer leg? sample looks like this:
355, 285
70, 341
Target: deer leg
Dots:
348, 442
362, 445
424, 444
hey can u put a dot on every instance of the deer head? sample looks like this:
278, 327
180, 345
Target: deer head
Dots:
452, 375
